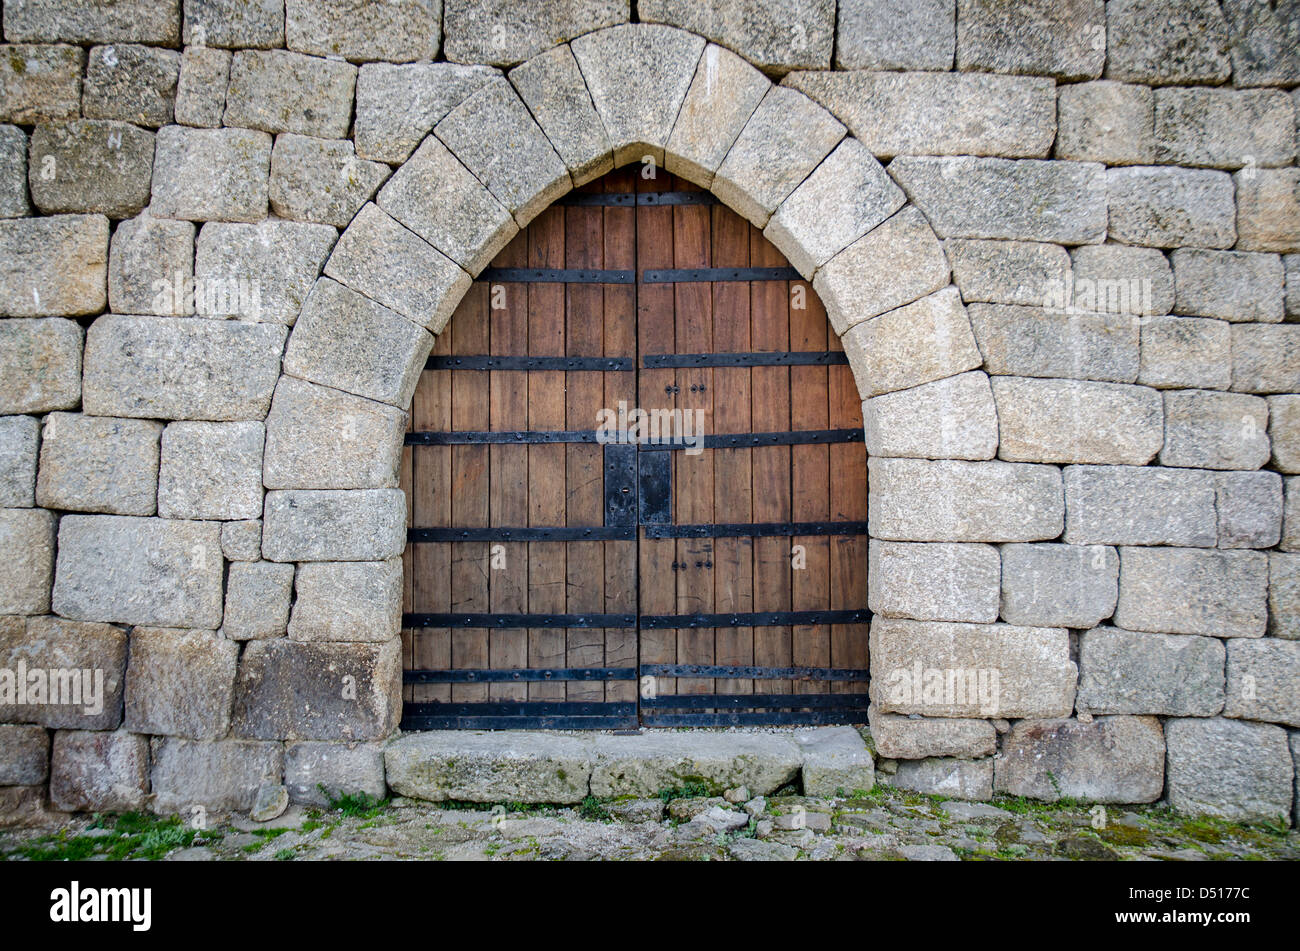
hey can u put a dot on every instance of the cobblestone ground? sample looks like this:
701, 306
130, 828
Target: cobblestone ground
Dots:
885, 825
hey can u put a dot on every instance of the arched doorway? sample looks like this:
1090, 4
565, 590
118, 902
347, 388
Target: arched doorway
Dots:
572, 563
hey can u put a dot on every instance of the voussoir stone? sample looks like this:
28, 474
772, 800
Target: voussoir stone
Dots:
1206, 429
1193, 591
40, 364
1266, 358
1262, 678
201, 88
1050, 585
1056, 343
90, 166
24, 755
149, 262
954, 418
132, 83
180, 683
1105, 121
321, 180
54, 266
1131, 505
280, 91
1077, 421
220, 776
1007, 272
27, 535
397, 106
94, 771
774, 37
1186, 352
398, 31
927, 340
257, 600
260, 272
99, 464
1177, 675
1121, 279
1268, 209
181, 368
211, 470
722, 96
886, 34
1171, 207
902, 737
643, 765
1109, 759
39, 83
348, 601
489, 767
1156, 42
342, 769
933, 582
211, 174
1228, 768
96, 651
1229, 285
327, 525
1061, 38
19, 439
552, 87
1224, 128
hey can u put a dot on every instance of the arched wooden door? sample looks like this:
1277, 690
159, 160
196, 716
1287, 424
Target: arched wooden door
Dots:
707, 567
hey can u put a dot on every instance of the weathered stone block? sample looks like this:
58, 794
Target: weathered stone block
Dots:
235, 23
886, 34
1007, 272
893, 264
279, 91
1250, 509
1264, 43
1284, 432
94, 166
1265, 358
149, 261
1268, 209
53, 266
1124, 505
1151, 41
1105, 121
1077, 421
242, 541
1292, 264
971, 670
1177, 675
1210, 430
1058, 585
722, 96
1193, 591
1224, 128
260, 271
13, 173
351, 343
1262, 678
211, 174
357, 525
257, 600
19, 437
502, 32
639, 765
1037, 342
927, 340
398, 31
321, 180
950, 778
901, 737
1109, 759
441, 201
947, 419
293, 691
1039, 38
1118, 279
99, 464
484, 767
99, 772
40, 83
348, 601
1284, 595
1171, 207
552, 87
919, 500
774, 38
201, 88
152, 571
181, 368
836, 761
40, 365
933, 582
1229, 285
180, 683
1291, 515
1186, 351
220, 776
132, 83
938, 113
125, 21
397, 106
1227, 768
211, 471
343, 770
24, 755
93, 655
27, 535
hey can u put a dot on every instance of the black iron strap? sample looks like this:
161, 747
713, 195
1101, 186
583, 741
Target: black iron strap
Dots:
552, 275
468, 675
791, 718
815, 358
755, 619
715, 274
711, 441
500, 438
629, 199
557, 533
751, 440
755, 529
521, 708
713, 672
756, 701
531, 363
518, 723
519, 620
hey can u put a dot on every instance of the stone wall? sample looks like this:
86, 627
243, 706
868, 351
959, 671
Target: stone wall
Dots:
1054, 236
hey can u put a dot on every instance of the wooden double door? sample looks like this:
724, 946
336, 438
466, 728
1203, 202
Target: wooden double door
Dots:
637, 483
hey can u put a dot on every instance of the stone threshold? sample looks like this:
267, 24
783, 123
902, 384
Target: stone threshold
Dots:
551, 767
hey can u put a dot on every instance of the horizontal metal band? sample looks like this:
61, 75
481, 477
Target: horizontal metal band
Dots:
468, 675
780, 358
715, 274
518, 723
552, 275
629, 199
557, 533
472, 438
755, 619
709, 441
713, 672
752, 440
782, 718
519, 620
521, 708
757, 701
531, 363
755, 530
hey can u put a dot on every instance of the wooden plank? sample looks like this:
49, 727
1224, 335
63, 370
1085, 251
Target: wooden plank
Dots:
848, 500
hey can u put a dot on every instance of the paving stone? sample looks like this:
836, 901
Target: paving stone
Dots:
638, 75
1119, 279
211, 471
774, 37
885, 34
125, 21
1151, 41
397, 106
441, 201
501, 32
896, 263
348, 601
351, 343
1268, 210
1105, 121
19, 437
1250, 509
1266, 359
201, 88
344, 770
149, 259
1265, 43
257, 600
1037, 342
1284, 595
953, 418
132, 83
1186, 352
1178, 675
28, 535
1210, 430
927, 340
99, 464
836, 761
99, 772
96, 651
1284, 432
552, 87
490, 767
321, 180
643, 765
1109, 759
399, 31
218, 776
920, 500
211, 174
933, 582
1061, 202
293, 691
180, 683
40, 365
1224, 128
53, 266
1171, 207
495, 136
235, 23
40, 83
722, 96
1038, 38
279, 91
24, 755
151, 571
93, 166
950, 778
1262, 678
1193, 591
1237, 771
902, 737
1076, 421
1049, 585
1124, 505
181, 368
13, 173
1230, 285
357, 525
242, 541
321, 438
1007, 272
276, 261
